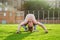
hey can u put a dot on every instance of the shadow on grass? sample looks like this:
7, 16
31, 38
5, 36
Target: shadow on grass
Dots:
19, 36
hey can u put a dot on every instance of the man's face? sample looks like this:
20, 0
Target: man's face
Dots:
30, 23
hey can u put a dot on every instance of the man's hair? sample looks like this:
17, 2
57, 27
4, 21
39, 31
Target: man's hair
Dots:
30, 25
30, 29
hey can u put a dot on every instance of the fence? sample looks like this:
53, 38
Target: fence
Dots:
46, 16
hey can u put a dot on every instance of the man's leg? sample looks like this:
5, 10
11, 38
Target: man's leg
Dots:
40, 24
35, 30
44, 27
24, 26
34, 27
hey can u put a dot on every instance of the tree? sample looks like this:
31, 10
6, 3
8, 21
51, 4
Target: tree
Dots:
35, 5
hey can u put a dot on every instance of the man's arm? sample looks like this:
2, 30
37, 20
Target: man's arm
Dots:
18, 30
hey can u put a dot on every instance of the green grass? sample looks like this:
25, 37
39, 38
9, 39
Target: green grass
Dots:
7, 32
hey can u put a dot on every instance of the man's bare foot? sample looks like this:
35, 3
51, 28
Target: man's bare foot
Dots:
46, 31
17, 32
35, 30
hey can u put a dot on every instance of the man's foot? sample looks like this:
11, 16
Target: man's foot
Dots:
46, 31
26, 31
17, 32
35, 31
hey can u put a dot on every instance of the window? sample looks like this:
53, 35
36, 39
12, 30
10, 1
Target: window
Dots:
20, 13
17, 14
0, 9
0, 3
0, 6
10, 14
6, 8
3, 21
4, 14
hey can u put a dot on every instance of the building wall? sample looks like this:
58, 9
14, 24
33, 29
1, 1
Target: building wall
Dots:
10, 19
1, 16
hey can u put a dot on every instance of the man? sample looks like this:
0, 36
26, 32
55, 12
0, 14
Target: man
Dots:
25, 28
30, 25
34, 21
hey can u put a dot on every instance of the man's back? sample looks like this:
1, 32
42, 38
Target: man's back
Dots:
30, 17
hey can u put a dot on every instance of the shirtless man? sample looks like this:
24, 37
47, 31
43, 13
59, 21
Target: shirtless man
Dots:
25, 28
30, 25
34, 21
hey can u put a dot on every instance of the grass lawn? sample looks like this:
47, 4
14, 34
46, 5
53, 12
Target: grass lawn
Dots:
7, 32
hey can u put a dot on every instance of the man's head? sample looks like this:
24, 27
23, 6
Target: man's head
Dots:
30, 29
30, 25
